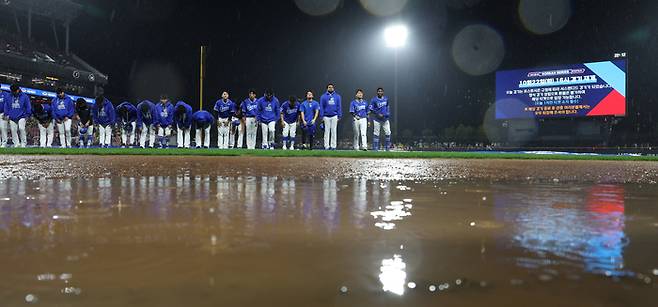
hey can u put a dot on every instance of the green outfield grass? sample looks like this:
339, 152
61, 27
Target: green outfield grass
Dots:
313, 153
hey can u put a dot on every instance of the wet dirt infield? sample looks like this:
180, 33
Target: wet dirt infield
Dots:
250, 231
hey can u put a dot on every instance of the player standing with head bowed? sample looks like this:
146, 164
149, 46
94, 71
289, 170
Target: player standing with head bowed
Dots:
105, 116
268, 114
380, 113
330, 104
202, 121
250, 113
359, 111
63, 111
183, 122
289, 119
17, 110
309, 112
225, 109
147, 118
237, 126
43, 113
85, 123
127, 123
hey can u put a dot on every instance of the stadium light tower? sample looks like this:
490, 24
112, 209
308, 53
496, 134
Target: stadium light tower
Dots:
395, 37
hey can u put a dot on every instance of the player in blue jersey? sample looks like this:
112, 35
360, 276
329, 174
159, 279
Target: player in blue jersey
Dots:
330, 104
224, 109
237, 127
289, 119
44, 115
268, 113
309, 112
359, 111
105, 117
85, 123
250, 112
18, 109
147, 118
380, 113
202, 121
183, 122
165, 112
127, 114
63, 111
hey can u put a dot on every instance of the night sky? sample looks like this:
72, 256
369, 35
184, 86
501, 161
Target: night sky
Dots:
149, 47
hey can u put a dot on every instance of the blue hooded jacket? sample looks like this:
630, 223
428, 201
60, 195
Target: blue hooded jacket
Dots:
104, 114
62, 107
331, 105
132, 112
148, 121
379, 108
250, 108
202, 119
187, 122
268, 111
17, 107
165, 114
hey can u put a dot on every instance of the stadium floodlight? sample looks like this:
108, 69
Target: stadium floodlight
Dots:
395, 36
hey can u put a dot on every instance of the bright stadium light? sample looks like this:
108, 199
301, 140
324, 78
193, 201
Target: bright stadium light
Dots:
396, 36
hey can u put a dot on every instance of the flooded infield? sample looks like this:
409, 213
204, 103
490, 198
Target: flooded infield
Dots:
237, 231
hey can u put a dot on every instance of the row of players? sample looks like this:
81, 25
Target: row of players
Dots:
160, 119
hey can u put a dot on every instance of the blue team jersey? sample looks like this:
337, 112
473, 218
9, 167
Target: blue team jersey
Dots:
309, 108
359, 108
250, 108
330, 104
103, 113
379, 108
290, 114
165, 114
202, 119
186, 122
225, 109
17, 107
150, 117
62, 107
268, 110
131, 111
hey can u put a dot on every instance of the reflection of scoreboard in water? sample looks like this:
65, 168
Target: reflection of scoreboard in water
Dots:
557, 104
584, 226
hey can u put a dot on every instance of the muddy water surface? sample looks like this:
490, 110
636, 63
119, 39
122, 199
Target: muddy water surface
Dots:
194, 231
